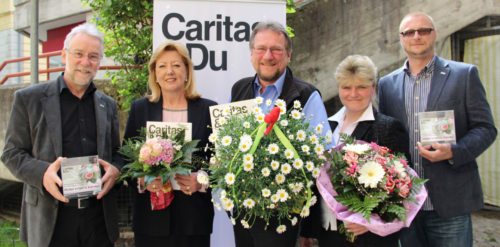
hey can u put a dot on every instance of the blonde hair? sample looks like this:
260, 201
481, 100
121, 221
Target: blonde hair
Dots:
356, 68
189, 86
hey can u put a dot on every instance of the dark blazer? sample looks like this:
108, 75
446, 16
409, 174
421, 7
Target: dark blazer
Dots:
34, 140
385, 131
293, 89
454, 189
186, 215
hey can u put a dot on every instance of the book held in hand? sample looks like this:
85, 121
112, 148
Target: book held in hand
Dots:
437, 127
81, 176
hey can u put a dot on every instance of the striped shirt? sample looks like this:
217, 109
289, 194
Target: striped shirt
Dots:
417, 90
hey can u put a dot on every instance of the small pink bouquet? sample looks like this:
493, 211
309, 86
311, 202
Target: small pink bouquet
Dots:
368, 185
156, 151
158, 157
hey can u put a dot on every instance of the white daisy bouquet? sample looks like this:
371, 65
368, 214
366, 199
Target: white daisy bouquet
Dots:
265, 165
368, 185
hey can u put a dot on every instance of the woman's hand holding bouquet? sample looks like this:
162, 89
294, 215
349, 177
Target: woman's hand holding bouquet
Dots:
366, 184
154, 162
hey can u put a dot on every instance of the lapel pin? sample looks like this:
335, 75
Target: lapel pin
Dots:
101, 105
443, 73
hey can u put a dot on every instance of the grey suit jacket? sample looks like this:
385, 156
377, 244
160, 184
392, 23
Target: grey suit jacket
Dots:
34, 140
454, 188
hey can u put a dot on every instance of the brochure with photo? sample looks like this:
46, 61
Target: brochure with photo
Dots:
437, 127
218, 113
81, 176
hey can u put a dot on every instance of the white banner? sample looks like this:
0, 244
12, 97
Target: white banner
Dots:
216, 34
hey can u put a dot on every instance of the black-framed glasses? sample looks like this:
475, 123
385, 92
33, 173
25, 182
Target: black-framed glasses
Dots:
93, 57
420, 31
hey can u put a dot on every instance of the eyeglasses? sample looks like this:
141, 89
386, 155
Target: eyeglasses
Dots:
274, 50
420, 31
93, 57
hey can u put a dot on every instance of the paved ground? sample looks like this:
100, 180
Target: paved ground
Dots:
486, 224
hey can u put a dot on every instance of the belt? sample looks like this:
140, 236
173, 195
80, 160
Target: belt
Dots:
81, 203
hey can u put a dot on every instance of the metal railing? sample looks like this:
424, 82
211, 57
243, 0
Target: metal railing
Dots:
46, 71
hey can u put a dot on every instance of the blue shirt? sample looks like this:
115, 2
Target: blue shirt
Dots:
314, 109
417, 90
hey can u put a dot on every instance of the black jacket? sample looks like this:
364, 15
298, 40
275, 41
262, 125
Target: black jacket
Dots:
293, 89
186, 215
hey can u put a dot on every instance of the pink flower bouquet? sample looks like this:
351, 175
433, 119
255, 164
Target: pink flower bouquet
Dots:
368, 185
158, 157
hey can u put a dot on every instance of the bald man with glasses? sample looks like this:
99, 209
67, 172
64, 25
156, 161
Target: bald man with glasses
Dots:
429, 83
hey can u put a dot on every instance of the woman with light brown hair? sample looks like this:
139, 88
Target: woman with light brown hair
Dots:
187, 221
356, 76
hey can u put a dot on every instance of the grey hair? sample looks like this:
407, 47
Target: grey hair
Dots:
86, 28
275, 27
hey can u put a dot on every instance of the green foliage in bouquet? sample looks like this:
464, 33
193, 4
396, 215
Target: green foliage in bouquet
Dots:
266, 176
158, 157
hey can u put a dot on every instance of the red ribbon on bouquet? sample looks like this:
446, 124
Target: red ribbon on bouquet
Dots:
271, 118
162, 199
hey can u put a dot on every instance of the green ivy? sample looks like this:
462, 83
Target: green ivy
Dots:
290, 9
128, 28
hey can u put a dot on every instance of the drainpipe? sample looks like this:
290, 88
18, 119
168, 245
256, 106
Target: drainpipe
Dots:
34, 41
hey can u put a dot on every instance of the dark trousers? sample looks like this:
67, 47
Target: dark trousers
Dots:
257, 236
143, 240
80, 227
429, 229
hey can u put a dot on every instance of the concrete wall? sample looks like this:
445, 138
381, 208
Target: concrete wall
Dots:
6, 18
329, 30
52, 13
10, 48
11, 42
6, 98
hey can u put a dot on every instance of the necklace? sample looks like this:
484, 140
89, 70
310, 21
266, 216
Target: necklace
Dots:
174, 110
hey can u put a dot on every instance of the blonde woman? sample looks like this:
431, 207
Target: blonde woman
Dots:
356, 76
187, 221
